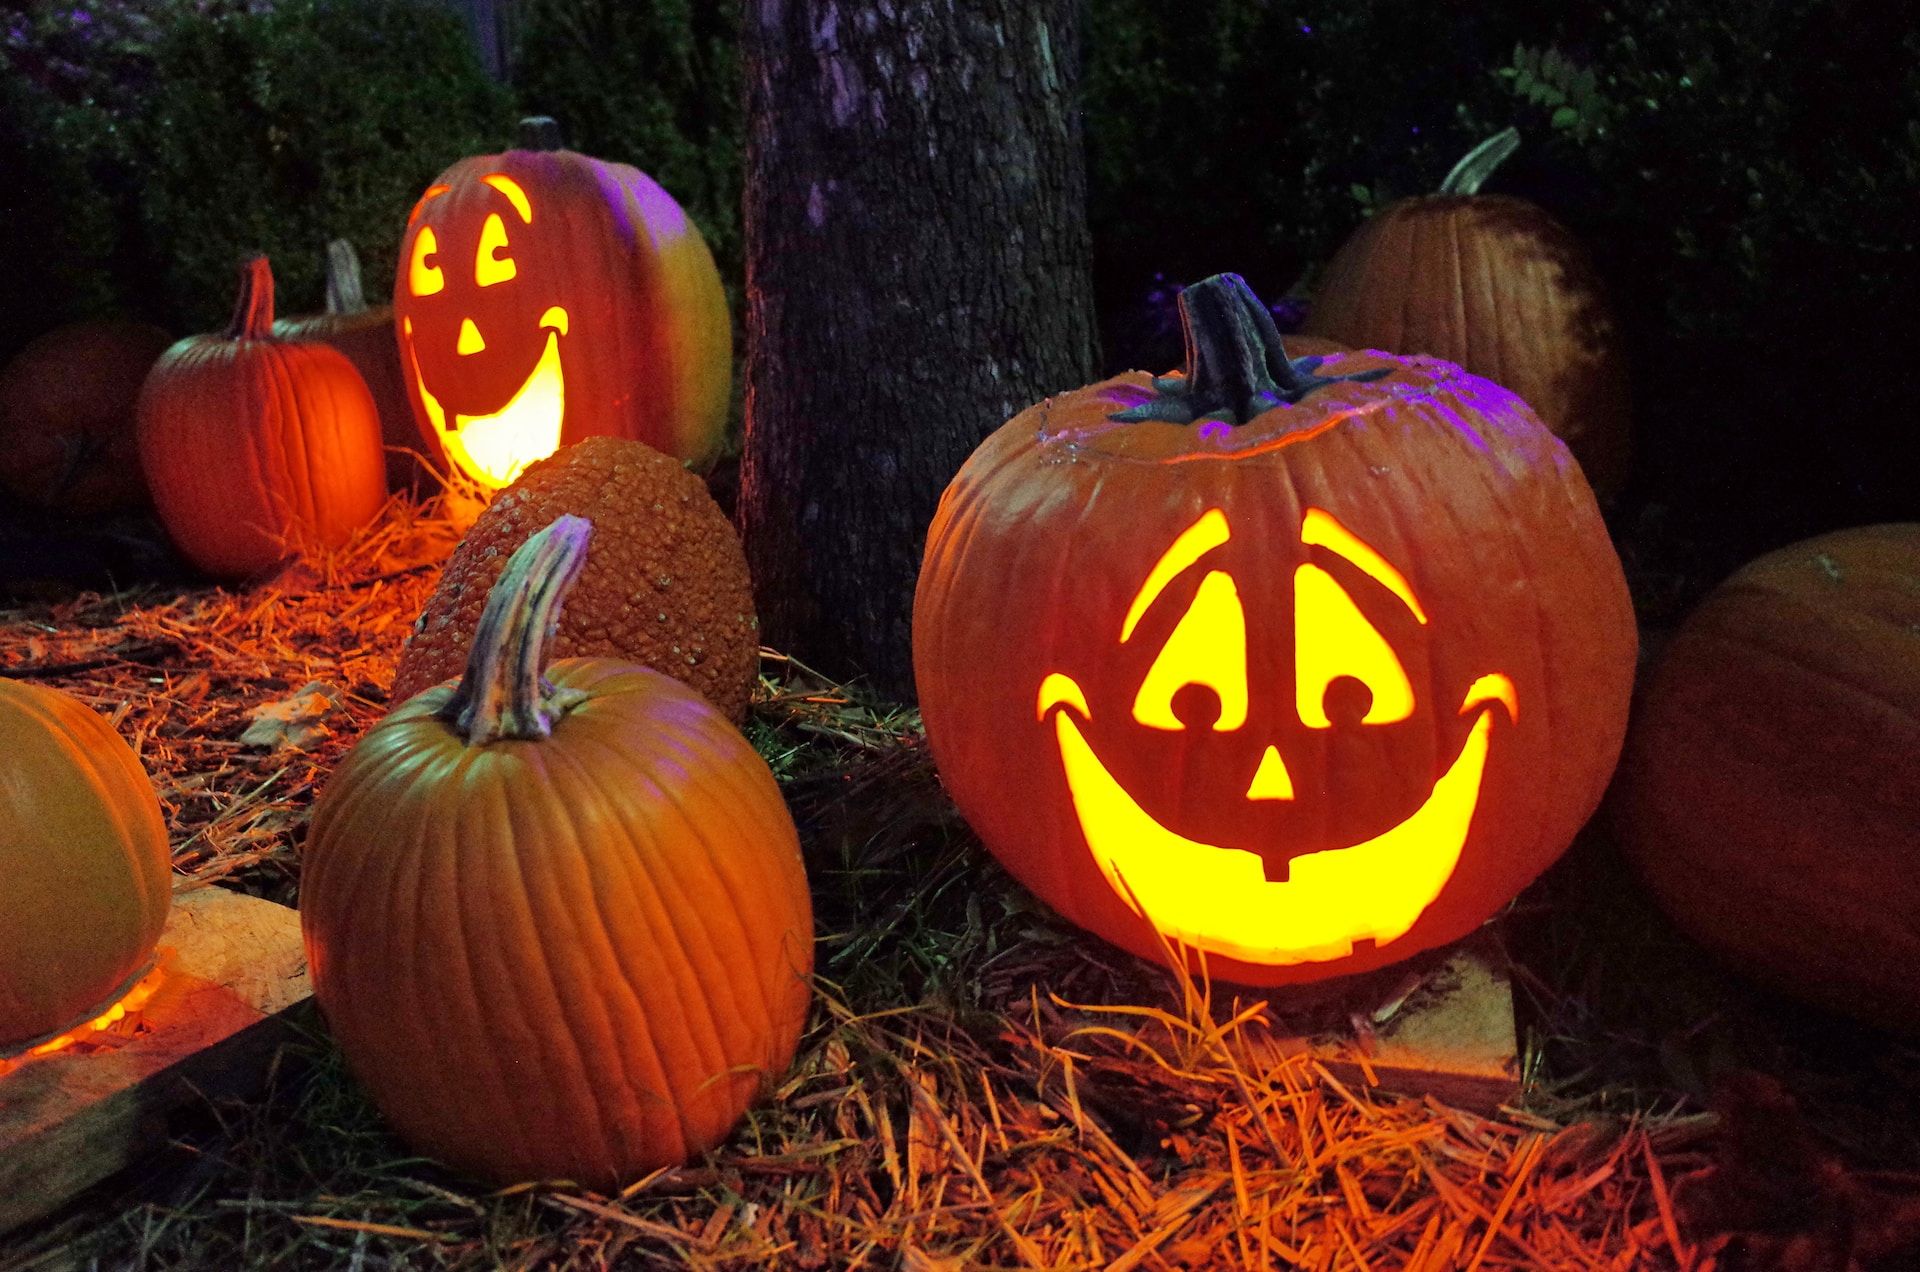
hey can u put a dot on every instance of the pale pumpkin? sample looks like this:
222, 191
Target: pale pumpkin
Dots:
85, 872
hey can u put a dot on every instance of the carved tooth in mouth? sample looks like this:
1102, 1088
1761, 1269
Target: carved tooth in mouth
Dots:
495, 447
1219, 899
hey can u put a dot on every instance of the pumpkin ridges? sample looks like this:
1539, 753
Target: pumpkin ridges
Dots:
229, 431
1771, 792
81, 823
567, 912
1400, 446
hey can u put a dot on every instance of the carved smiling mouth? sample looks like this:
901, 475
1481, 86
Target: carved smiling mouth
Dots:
495, 447
1213, 898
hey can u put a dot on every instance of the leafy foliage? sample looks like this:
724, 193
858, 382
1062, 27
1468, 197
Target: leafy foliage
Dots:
279, 130
165, 139
655, 85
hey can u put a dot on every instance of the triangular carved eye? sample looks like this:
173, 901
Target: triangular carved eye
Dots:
1207, 648
1332, 640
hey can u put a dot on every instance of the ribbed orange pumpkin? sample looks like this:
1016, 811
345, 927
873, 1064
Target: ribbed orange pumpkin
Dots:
544, 297
84, 867
559, 925
1497, 285
1770, 793
1306, 675
255, 448
365, 334
66, 417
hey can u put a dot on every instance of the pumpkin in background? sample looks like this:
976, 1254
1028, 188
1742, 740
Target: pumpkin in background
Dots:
558, 923
67, 417
365, 334
1770, 794
1303, 674
544, 297
665, 586
257, 448
85, 873
1493, 283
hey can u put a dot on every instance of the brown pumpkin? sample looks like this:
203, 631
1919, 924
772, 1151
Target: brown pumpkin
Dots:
1302, 674
558, 924
1770, 794
85, 872
67, 417
1493, 283
365, 334
256, 448
544, 297
665, 586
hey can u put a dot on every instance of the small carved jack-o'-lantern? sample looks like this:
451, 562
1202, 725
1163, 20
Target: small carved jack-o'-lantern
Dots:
1302, 675
543, 297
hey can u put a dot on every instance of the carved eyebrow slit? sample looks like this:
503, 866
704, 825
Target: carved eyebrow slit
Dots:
1198, 539
1322, 530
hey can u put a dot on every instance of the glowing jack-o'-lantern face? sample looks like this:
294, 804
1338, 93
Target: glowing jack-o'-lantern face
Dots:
543, 296
490, 446
1295, 676
1221, 899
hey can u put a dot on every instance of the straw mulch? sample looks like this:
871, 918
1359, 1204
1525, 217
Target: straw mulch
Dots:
979, 1086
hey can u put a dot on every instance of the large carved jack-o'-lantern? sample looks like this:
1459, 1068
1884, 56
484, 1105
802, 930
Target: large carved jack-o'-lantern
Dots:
1301, 674
543, 297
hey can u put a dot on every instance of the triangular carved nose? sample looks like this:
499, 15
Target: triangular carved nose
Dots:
470, 341
1271, 780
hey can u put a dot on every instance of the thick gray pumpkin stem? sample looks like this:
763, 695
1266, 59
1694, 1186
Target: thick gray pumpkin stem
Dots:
1478, 164
1237, 367
503, 694
345, 292
539, 132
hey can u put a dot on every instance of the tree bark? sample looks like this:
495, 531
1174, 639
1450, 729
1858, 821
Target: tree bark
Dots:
918, 270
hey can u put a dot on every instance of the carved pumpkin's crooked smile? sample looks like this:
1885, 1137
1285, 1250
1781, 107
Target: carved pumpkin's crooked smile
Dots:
1207, 897
495, 447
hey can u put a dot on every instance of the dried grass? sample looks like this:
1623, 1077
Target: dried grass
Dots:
979, 1087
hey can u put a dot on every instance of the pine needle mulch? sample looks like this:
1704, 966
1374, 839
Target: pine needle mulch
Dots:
979, 1087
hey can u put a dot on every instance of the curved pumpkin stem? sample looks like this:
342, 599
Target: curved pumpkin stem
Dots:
538, 132
253, 310
345, 294
1478, 164
1237, 366
504, 694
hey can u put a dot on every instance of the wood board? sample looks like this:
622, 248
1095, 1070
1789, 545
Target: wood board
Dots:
232, 981
1445, 1030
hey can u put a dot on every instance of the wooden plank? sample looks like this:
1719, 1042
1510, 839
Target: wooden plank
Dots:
1444, 1028
232, 976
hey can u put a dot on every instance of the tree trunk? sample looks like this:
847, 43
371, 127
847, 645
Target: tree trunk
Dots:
918, 270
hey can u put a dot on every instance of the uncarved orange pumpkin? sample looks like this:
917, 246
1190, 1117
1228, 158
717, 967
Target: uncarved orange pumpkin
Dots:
365, 334
256, 448
1770, 794
1301, 674
84, 867
1499, 286
558, 924
543, 297
67, 417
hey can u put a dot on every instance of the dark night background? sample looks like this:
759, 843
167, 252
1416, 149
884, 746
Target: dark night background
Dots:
1745, 176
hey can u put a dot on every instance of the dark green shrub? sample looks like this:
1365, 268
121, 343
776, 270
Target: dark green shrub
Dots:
655, 85
316, 119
